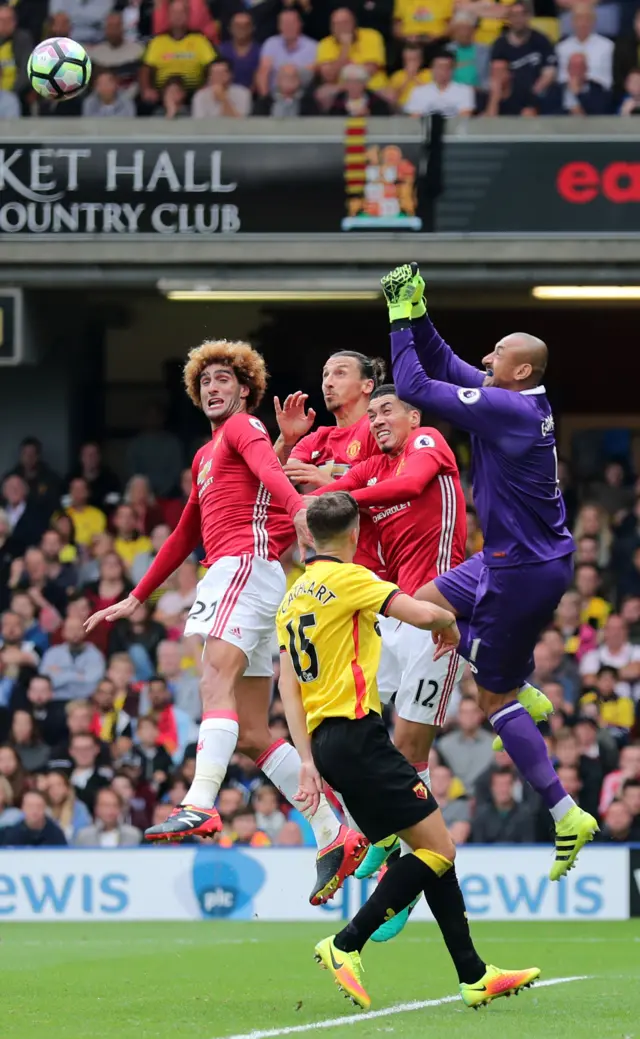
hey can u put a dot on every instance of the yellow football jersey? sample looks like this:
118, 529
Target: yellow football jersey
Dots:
327, 624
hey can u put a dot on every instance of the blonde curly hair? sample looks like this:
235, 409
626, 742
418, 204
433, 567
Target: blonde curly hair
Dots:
247, 364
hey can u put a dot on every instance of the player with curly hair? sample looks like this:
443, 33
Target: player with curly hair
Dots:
245, 512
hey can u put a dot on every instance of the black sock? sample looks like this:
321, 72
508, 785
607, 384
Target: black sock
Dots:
402, 882
445, 901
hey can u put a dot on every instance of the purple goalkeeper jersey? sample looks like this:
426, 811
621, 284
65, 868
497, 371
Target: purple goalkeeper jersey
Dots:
514, 468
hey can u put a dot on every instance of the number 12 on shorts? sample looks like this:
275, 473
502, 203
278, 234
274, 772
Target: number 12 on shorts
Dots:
428, 700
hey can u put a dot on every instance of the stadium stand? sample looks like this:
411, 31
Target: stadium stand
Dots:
119, 711
297, 57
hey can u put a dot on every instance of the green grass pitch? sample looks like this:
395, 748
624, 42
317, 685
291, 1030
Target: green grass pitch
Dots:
211, 980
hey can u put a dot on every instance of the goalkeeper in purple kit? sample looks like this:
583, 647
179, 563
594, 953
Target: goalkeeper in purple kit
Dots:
505, 595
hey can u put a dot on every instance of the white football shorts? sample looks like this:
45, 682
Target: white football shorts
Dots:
423, 687
237, 601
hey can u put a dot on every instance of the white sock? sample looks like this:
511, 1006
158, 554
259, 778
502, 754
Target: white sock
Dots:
217, 740
281, 764
560, 810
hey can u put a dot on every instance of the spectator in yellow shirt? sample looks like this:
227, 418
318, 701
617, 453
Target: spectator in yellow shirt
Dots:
177, 52
594, 610
492, 15
421, 19
349, 45
87, 520
614, 710
128, 541
15, 47
475, 540
63, 524
411, 74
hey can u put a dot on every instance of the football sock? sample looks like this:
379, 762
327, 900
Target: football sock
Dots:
281, 764
217, 740
525, 746
400, 884
444, 898
404, 880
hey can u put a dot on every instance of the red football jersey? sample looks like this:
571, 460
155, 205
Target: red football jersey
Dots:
417, 505
237, 513
342, 445
345, 446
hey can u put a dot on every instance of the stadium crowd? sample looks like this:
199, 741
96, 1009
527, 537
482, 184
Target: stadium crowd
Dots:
284, 58
97, 734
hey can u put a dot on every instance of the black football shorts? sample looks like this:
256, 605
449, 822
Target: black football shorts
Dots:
382, 791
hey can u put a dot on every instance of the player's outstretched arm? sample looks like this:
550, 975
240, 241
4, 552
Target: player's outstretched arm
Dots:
428, 616
417, 473
435, 356
310, 788
351, 481
306, 475
180, 544
438, 359
293, 423
420, 469
491, 413
250, 439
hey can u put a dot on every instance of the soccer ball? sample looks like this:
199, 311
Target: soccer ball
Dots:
59, 69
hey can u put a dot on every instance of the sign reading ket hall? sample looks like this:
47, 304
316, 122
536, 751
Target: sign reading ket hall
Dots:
177, 186
109, 189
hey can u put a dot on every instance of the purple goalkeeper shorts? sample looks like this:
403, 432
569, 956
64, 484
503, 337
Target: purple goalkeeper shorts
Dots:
505, 608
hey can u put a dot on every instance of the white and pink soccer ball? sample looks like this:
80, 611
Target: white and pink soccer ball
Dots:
59, 69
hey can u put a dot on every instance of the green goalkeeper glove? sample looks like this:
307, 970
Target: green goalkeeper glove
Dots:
419, 308
398, 287
403, 289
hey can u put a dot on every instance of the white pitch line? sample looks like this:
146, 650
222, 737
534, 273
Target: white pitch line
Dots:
399, 1008
592, 940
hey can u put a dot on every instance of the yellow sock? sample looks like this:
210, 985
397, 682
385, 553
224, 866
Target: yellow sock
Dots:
434, 861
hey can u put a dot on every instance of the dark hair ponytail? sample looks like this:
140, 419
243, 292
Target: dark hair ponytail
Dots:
370, 367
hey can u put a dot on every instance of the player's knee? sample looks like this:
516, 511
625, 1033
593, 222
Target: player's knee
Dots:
219, 676
442, 841
445, 848
439, 855
216, 693
413, 741
254, 741
222, 661
490, 702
